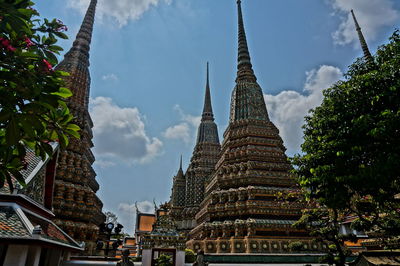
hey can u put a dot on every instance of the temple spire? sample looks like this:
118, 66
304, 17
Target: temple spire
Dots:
247, 100
245, 68
207, 110
180, 171
367, 55
81, 46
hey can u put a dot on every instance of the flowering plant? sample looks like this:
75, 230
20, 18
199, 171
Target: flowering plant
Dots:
32, 97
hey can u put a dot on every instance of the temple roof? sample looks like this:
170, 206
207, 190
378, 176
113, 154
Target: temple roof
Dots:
24, 223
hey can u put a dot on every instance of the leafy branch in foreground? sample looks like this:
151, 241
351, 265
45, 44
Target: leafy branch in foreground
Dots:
351, 153
33, 111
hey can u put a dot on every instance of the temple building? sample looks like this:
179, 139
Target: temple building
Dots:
240, 212
27, 234
188, 188
144, 224
77, 208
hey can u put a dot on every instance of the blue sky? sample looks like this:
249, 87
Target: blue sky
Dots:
148, 63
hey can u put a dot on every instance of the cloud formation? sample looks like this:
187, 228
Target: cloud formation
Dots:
372, 16
186, 129
110, 77
180, 131
121, 11
288, 108
119, 133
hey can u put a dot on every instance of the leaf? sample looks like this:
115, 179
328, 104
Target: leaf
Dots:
4, 116
16, 174
51, 58
73, 127
61, 35
63, 140
48, 148
63, 92
9, 181
2, 180
28, 128
13, 133
73, 133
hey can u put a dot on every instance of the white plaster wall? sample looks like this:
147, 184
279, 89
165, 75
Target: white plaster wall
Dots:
180, 258
16, 255
146, 257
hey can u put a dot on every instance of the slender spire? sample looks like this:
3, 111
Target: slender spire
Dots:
81, 46
245, 68
207, 131
207, 110
367, 55
247, 100
180, 171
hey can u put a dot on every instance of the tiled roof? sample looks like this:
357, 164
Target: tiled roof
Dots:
17, 224
49, 230
11, 224
33, 164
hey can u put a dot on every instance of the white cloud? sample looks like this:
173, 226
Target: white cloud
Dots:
193, 120
288, 108
121, 11
180, 131
186, 129
119, 133
103, 163
143, 206
110, 77
372, 16
127, 213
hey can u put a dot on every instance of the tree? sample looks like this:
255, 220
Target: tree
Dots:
351, 152
164, 260
32, 97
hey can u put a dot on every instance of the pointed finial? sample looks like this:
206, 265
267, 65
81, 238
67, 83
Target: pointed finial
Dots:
81, 46
207, 109
180, 171
367, 55
137, 208
208, 76
245, 68
155, 204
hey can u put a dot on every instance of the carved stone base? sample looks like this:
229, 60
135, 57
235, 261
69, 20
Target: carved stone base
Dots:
254, 245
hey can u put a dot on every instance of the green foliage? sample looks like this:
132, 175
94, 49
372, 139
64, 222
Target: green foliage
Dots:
295, 246
32, 97
352, 151
190, 257
164, 260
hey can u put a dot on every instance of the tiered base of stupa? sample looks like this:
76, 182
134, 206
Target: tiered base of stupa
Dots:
253, 245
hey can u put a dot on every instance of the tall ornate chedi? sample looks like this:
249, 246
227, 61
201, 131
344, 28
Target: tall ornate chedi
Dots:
202, 163
240, 212
367, 54
76, 205
178, 194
